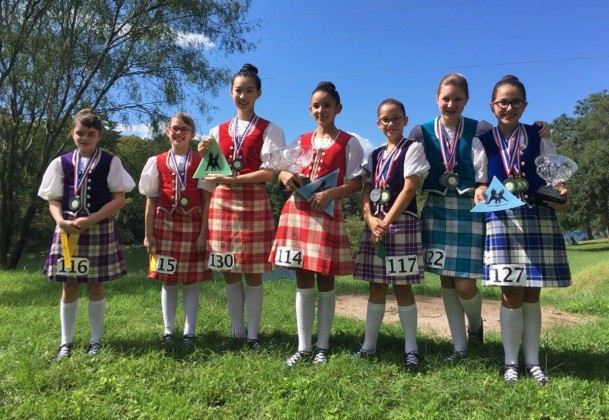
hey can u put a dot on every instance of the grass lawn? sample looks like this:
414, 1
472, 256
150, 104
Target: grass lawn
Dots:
134, 377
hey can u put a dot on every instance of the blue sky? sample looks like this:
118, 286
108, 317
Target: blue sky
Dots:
372, 50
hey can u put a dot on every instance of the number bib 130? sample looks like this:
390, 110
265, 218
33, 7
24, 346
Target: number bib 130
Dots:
434, 258
508, 275
163, 264
221, 261
402, 266
80, 267
288, 257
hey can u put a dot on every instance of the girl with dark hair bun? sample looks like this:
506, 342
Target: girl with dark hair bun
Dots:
317, 243
241, 225
524, 246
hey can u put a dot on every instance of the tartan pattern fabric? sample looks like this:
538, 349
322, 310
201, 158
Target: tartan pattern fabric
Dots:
406, 241
241, 221
448, 224
322, 238
100, 245
176, 235
528, 236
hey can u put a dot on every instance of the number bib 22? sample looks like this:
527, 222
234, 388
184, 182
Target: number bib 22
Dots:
434, 258
507, 275
80, 267
221, 261
163, 264
288, 257
401, 266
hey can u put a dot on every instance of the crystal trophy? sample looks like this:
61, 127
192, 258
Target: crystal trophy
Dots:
554, 169
292, 159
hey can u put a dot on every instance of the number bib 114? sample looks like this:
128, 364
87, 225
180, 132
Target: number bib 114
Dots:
80, 267
288, 257
407, 265
221, 261
508, 275
434, 258
163, 264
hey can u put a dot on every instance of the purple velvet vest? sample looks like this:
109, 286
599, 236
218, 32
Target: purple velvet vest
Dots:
94, 193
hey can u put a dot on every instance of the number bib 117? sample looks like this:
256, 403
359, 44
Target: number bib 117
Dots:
434, 258
163, 264
288, 257
401, 266
221, 261
508, 275
80, 267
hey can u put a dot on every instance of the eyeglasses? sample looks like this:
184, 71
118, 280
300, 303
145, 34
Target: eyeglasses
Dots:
504, 103
175, 129
396, 120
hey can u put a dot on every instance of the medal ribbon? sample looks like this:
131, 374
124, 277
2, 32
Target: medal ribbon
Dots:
448, 148
385, 165
79, 177
509, 150
238, 139
68, 245
180, 175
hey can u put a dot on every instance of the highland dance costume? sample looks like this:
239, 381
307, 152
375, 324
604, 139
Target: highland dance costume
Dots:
403, 260
453, 237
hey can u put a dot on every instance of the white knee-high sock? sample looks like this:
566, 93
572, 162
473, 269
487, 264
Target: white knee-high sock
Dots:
531, 335
305, 311
67, 315
408, 319
473, 309
191, 308
169, 305
455, 317
235, 298
325, 317
97, 314
374, 318
254, 297
511, 333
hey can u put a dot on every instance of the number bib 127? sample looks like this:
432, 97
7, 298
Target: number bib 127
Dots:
80, 267
407, 265
508, 275
221, 261
289, 257
434, 258
163, 264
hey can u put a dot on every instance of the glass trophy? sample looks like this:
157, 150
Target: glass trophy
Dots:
292, 159
554, 169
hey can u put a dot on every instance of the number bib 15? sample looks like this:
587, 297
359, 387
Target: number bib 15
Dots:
401, 266
434, 258
80, 267
289, 257
163, 264
508, 275
221, 261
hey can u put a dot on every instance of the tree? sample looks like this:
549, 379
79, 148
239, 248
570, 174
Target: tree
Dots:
119, 57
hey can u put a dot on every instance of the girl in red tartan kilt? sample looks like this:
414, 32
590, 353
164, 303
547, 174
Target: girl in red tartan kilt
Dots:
390, 250
318, 242
85, 189
241, 225
176, 225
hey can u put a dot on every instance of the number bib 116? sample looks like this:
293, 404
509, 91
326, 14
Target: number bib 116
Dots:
508, 275
401, 266
163, 264
221, 261
288, 257
434, 258
80, 267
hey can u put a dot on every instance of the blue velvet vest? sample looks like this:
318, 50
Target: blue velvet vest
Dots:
94, 193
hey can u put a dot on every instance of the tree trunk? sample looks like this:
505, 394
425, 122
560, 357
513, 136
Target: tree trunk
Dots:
589, 233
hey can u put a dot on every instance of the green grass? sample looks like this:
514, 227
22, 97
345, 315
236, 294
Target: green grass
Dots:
134, 378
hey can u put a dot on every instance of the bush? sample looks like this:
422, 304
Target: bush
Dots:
355, 229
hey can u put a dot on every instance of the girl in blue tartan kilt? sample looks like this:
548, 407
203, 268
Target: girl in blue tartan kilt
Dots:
390, 250
524, 246
85, 189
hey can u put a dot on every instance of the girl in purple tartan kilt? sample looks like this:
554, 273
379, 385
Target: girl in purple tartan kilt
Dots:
525, 241
241, 224
305, 229
85, 189
176, 225
390, 251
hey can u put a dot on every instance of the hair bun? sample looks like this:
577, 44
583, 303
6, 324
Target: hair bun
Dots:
327, 86
509, 78
249, 68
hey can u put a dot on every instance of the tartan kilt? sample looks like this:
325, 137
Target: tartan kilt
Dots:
528, 236
241, 221
176, 236
406, 241
322, 238
448, 224
100, 245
